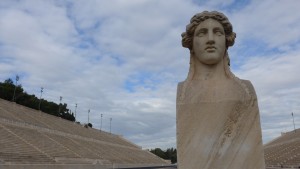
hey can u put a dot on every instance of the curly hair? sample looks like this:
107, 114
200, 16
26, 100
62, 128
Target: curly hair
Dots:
187, 37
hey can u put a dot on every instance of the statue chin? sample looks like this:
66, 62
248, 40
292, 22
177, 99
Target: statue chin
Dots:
209, 58
210, 61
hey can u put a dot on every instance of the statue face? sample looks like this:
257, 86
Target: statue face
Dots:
209, 43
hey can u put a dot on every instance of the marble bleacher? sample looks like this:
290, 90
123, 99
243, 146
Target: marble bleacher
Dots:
15, 150
31, 136
284, 150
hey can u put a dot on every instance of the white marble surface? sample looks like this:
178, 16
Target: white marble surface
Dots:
218, 122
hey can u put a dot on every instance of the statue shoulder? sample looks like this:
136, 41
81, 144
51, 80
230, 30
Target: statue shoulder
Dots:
180, 86
249, 86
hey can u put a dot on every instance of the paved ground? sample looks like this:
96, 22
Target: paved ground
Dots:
164, 167
155, 168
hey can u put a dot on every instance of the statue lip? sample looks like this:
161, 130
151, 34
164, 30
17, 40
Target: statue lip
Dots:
210, 48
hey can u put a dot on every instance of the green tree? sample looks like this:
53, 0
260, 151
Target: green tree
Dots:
7, 89
21, 97
169, 154
160, 153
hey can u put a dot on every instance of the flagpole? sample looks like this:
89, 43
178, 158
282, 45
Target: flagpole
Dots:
294, 122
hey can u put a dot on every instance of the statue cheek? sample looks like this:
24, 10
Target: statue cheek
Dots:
198, 40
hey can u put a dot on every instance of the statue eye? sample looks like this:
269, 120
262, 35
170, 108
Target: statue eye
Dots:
218, 32
201, 32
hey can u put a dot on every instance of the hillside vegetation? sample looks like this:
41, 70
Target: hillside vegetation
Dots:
7, 89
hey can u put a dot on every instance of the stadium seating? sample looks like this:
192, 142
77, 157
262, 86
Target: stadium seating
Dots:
284, 150
28, 136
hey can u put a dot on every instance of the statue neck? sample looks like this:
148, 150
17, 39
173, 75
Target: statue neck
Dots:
208, 72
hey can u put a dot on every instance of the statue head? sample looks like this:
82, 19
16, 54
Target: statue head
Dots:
208, 36
188, 36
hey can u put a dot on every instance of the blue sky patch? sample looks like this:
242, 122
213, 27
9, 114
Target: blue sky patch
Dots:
143, 79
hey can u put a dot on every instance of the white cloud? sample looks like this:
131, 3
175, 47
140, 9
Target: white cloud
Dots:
273, 22
277, 85
87, 52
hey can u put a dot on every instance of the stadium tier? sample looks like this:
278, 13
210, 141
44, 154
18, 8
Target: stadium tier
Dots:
284, 151
29, 136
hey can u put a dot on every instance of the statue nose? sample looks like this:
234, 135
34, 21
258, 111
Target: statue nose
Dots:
210, 41
210, 38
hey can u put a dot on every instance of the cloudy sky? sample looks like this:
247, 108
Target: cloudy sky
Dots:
123, 58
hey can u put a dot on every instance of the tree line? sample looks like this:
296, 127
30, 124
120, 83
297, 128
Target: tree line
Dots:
169, 154
8, 90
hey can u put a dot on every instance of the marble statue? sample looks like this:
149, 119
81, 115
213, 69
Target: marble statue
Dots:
218, 122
